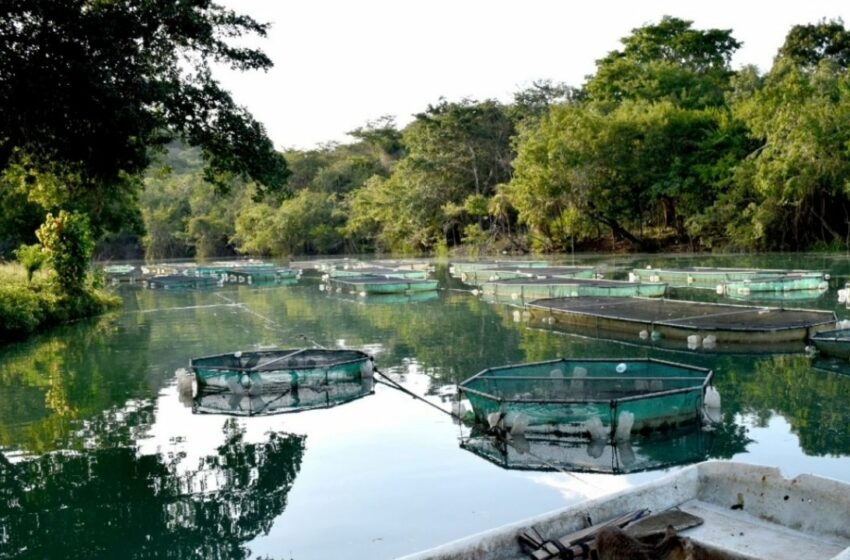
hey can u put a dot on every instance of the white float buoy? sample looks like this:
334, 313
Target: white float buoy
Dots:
655, 336
367, 369
624, 426
460, 408
709, 342
621, 367
643, 335
596, 448
520, 443
516, 422
720, 289
694, 341
711, 398
596, 429
494, 419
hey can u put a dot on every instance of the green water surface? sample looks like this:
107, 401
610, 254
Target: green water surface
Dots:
100, 457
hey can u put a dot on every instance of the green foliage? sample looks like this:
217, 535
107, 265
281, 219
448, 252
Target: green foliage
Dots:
90, 88
31, 257
306, 223
664, 143
793, 191
28, 306
667, 61
67, 244
808, 45
21, 310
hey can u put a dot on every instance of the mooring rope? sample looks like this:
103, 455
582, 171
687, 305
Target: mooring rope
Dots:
395, 385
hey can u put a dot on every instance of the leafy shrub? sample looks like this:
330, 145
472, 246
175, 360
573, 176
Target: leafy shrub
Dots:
32, 258
21, 310
68, 242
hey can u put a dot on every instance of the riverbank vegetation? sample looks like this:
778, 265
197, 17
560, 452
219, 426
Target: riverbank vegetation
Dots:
91, 92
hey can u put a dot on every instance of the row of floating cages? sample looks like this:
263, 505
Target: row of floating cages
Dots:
385, 272
180, 281
525, 290
346, 263
479, 276
732, 280
193, 269
595, 398
379, 285
255, 275
457, 268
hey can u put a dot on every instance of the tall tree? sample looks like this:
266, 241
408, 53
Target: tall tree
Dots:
667, 61
90, 89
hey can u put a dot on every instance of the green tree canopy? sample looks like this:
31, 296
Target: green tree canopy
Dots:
90, 88
667, 61
807, 45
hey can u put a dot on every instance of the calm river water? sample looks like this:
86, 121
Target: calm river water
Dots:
101, 458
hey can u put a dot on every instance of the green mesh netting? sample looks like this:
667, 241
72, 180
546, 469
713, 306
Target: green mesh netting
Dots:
565, 394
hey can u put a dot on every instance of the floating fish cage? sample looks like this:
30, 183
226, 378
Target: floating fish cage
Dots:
599, 398
262, 370
784, 283
168, 269
404, 264
459, 267
709, 277
529, 289
180, 281
378, 271
281, 400
548, 452
480, 276
325, 265
255, 275
121, 273
678, 319
367, 285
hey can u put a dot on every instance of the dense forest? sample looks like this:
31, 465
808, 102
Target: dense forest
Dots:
665, 146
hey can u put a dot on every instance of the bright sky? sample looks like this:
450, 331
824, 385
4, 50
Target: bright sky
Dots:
341, 63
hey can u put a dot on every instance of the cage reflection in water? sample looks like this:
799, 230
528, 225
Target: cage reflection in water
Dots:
542, 452
280, 398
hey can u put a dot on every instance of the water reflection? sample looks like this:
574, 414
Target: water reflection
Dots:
538, 452
114, 503
281, 399
85, 412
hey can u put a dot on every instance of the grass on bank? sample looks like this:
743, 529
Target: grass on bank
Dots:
28, 307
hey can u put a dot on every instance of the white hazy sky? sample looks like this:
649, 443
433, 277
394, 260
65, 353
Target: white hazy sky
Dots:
341, 63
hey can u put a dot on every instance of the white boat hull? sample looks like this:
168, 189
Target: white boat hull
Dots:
750, 512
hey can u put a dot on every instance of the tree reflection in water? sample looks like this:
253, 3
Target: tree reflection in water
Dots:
114, 503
